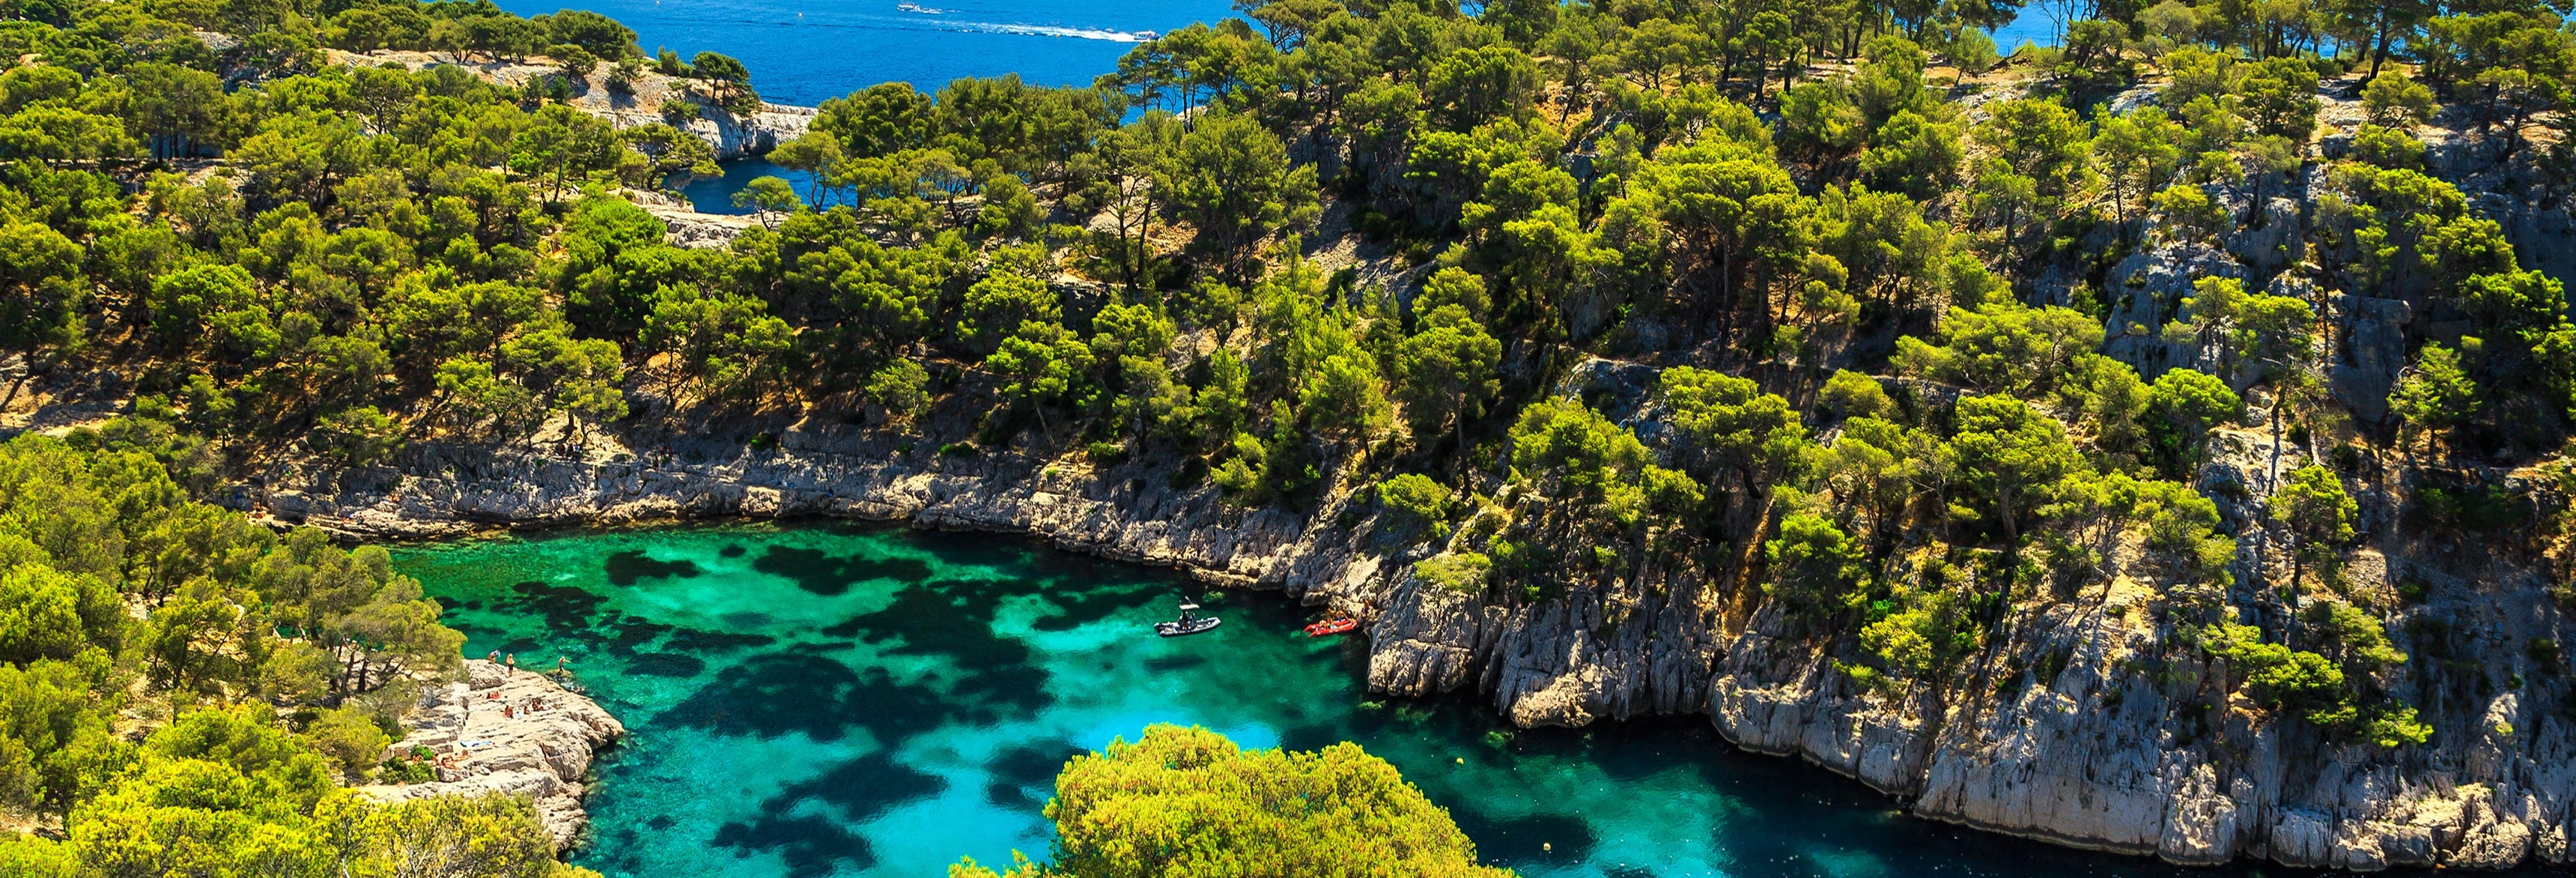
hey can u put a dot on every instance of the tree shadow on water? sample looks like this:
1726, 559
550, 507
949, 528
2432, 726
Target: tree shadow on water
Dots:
847, 795
989, 677
821, 573
631, 567
801, 691
565, 608
1017, 769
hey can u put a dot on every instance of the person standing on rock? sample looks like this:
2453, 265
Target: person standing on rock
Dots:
511, 662
492, 656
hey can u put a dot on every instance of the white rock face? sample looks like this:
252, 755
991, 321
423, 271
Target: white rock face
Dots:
542, 754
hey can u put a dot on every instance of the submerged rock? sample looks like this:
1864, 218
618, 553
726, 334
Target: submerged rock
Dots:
542, 753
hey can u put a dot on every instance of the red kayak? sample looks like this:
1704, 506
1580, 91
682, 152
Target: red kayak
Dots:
1336, 625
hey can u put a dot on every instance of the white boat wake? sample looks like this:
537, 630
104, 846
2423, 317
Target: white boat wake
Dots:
917, 18
1040, 30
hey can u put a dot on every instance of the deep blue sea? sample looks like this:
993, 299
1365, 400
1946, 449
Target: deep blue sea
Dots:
803, 52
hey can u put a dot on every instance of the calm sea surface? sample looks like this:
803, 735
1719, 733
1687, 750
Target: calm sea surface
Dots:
815, 701
803, 52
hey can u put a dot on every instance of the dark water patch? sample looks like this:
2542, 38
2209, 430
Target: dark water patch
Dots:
822, 573
701, 640
1168, 663
564, 607
990, 677
859, 789
1315, 736
1558, 838
1021, 776
629, 568
1076, 607
666, 664
629, 633
468, 605
811, 846
862, 788
747, 619
732, 550
661, 821
473, 631
799, 691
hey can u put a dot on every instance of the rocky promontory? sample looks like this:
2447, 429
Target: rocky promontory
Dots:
513, 733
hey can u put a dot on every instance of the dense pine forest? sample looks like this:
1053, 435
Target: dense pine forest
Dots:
2237, 328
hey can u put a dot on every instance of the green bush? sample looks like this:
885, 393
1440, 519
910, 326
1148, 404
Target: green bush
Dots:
1461, 572
1416, 503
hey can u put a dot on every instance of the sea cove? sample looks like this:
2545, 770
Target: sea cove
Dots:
861, 700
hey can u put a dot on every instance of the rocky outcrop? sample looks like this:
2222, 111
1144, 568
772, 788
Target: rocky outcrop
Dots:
541, 749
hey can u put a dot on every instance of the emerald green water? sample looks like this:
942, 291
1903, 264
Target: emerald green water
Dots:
859, 701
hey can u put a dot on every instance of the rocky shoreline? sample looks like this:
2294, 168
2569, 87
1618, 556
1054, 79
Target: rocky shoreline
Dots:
543, 754
2101, 751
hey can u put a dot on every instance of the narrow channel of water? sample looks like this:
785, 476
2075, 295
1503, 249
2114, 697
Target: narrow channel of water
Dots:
844, 700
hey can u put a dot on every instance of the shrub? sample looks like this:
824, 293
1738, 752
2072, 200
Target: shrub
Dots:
1461, 572
1416, 502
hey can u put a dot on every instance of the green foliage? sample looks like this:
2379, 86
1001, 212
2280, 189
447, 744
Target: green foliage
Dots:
901, 388
1815, 567
227, 792
1919, 633
1417, 502
1854, 395
1730, 425
1209, 808
2326, 691
2317, 511
348, 737
1461, 572
2437, 394
1573, 452
2396, 100
1445, 371
2001, 347
2013, 456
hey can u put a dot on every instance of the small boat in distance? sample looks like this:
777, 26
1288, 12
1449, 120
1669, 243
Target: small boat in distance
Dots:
1190, 622
916, 7
1335, 625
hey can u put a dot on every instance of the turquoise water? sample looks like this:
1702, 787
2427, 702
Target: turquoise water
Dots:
863, 701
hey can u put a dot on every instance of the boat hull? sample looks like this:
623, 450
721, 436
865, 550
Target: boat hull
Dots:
1184, 629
